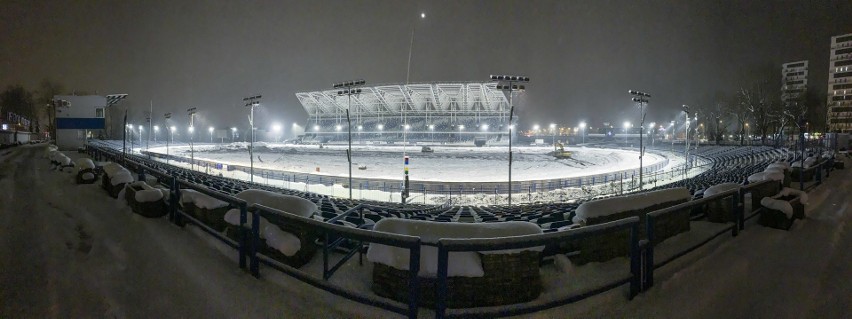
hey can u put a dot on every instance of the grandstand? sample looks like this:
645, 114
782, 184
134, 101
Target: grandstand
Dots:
438, 113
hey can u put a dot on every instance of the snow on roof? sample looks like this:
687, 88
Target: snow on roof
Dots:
720, 188
766, 176
285, 242
613, 205
461, 264
121, 177
200, 200
779, 205
803, 196
148, 195
781, 165
84, 163
285, 203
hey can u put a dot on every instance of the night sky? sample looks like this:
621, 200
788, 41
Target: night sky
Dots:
582, 56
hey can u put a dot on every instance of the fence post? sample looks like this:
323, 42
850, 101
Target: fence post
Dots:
413, 280
173, 201
255, 234
141, 174
649, 253
635, 266
736, 216
441, 297
242, 236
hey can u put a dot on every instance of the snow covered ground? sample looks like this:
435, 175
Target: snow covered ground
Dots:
451, 164
69, 250
446, 164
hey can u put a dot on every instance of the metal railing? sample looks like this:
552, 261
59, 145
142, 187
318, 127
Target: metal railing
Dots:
641, 251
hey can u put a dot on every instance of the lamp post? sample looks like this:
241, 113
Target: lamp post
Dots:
233, 134
640, 98
251, 103
686, 139
508, 83
583, 131
156, 130
140, 137
129, 128
553, 136
349, 88
191, 130
674, 130
210, 129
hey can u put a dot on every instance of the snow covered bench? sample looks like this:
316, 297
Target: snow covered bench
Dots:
801, 171
784, 168
204, 208
114, 179
720, 210
146, 200
781, 210
614, 244
85, 171
279, 240
475, 279
765, 190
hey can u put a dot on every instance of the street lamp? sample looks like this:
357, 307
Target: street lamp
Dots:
508, 83
349, 88
156, 130
233, 134
276, 128
553, 136
640, 98
583, 131
191, 112
210, 129
140, 138
251, 103
686, 139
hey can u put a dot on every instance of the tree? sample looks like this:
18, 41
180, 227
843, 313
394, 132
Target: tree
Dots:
18, 100
739, 113
47, 89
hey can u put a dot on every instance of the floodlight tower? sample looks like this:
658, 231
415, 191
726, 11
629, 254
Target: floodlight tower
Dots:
509, 83
156, 130
191, 130
641, 98
171, 130
583, 127
686, 138
251, 103
350, 88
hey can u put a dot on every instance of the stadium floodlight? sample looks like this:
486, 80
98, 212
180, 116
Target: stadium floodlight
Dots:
360, 127
553, 136
406, 127
641, 98
685, 109
156, 130
316, 127
338, 127
535, 128
627, 125
509, 83
583, 127
484, 127
461, 127
210, 129
381, 127
252, 102
350, 88
431, 127
233, 134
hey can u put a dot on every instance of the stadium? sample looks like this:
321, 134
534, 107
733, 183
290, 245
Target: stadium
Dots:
436, 113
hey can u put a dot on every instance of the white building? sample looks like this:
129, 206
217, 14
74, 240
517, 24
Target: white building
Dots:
840, 85
794, 81
81, 117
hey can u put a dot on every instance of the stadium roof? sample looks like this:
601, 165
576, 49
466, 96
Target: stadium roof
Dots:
432, 98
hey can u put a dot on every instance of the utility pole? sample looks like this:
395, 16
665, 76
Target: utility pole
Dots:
640, 98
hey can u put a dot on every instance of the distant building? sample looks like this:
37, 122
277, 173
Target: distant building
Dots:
839, 115
794, 81
81, 117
